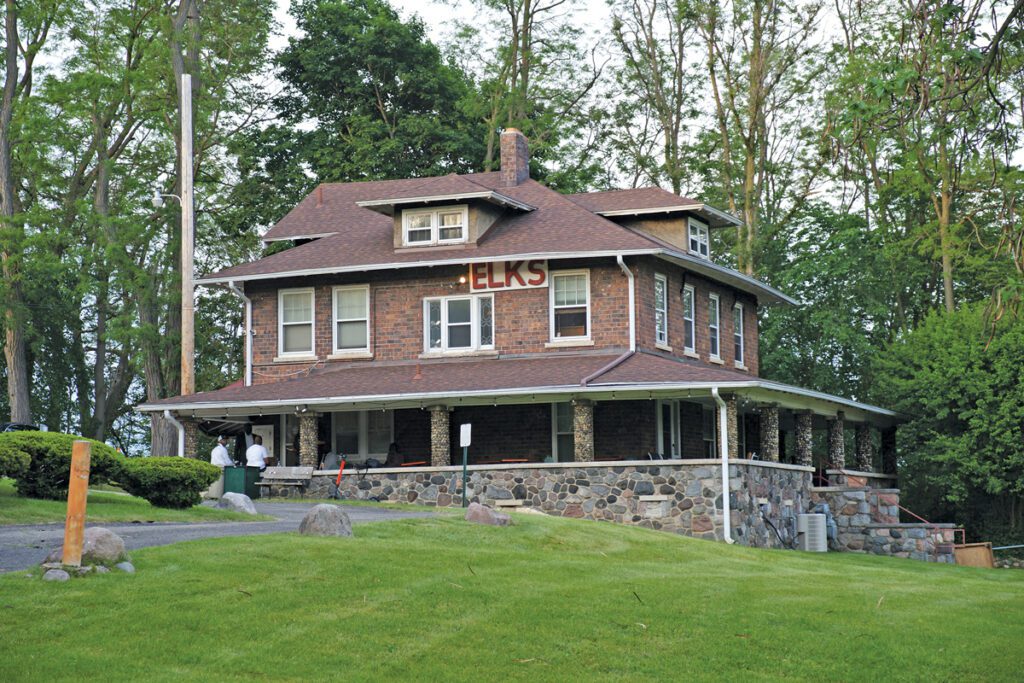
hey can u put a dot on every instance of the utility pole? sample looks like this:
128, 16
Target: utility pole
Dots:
188, 331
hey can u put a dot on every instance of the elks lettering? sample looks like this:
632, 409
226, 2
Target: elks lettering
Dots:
488, 277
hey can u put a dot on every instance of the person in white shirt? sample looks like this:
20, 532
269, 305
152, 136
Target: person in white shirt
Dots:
256, 455
219, 457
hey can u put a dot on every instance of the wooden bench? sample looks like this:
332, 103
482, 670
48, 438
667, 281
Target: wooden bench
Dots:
286, 476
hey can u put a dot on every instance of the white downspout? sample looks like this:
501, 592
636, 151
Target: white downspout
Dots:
248, 331
632, 303
723, 441
181, 432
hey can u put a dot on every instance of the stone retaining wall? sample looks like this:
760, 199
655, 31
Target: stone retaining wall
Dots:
927, 542
857, 506
683, 497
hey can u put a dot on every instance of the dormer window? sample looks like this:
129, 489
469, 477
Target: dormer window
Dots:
699, 238
427, 227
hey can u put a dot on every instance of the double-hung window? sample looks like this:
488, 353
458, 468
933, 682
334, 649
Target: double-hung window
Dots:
352, 319
689, 332
295, 322
737, 333
699, 238
563, 433
425, 227
570, 305
661, 309
714, 326
458, 323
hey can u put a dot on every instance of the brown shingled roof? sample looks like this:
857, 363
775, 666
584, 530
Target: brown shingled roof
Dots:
637, 198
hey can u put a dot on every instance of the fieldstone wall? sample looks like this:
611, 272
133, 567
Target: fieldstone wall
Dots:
766, 500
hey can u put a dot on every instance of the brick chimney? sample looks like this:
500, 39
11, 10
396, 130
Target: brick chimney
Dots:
515, 158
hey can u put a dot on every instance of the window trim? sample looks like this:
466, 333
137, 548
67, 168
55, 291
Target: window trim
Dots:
362, 435
555, 433
661, 336
474, 324
690, 345
435, 225
551, 306
739, 359
715, 329
281, 324
703, 237
335, 350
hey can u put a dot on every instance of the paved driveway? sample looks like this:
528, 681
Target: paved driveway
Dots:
25, 545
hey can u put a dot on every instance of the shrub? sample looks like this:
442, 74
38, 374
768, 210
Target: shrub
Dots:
168, 482
42, 462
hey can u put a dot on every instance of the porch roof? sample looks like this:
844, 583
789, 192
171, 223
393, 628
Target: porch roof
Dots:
517, 379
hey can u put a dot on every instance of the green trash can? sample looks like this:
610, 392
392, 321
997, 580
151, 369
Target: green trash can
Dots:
242, 480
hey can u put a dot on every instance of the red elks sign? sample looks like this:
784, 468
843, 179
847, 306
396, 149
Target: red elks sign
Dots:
488, 277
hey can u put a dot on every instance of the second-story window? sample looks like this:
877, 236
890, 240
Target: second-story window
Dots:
713, 326
351, 319
570, 305
737, 333
699, 238
424, 227
660, 309
689, 332
458, 323
295, 322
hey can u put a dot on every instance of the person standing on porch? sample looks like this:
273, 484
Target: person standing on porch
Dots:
219, 457
256, 455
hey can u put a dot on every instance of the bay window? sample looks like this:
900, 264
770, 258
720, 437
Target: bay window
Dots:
689, 332
295, 322
458, 323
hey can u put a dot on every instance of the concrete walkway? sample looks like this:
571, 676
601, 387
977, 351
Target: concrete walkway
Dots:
25, 545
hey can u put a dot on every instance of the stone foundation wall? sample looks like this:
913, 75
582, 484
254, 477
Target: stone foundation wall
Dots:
858, 506
781, 492
926, 542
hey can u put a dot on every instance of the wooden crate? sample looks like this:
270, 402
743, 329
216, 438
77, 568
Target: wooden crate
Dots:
974, 555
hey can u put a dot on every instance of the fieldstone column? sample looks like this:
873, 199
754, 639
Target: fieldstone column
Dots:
836, 443
308, 439
889, 450
769, 432
732, 425
191, 437
440, 437
804, 436
583, 429
865, 447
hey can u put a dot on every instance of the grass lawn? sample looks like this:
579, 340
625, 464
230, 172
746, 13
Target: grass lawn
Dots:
549, 599
105, 507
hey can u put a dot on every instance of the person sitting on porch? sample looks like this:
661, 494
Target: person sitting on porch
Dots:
394, 458
256, 455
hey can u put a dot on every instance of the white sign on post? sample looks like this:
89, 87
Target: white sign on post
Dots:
465, 435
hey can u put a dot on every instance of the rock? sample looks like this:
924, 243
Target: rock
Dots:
56, 575
100, 569
99, 546
236, 502
326, 520
481, 514
126, 567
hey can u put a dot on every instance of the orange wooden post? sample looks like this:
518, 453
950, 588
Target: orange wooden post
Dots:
78, 490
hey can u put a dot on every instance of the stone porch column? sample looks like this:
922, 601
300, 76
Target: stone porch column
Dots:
583, 429
769, 432
804, 436
308, 439
836, 443
889, 450
191, 437
864, 458
440, 437
732, 425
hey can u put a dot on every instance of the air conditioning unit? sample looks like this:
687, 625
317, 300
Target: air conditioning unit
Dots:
811, 533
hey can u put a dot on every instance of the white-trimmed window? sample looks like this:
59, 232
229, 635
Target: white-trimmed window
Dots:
689, 331
699, 238
352, 319
570, 305
458, 323
714, 326
737, 333
362, 434
295, 322
563, 439
444, 225
660, 309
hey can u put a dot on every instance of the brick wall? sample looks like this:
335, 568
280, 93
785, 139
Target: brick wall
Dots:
624, 430
516, 431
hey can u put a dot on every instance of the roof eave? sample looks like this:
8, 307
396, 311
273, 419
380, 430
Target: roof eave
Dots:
716, 218
766, 294
387, 206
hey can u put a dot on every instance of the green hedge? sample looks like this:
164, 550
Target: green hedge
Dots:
166, 481
40, 462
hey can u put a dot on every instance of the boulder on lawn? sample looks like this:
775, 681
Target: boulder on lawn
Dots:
99, 546
56, 575
236, 502
326, 520
481, 514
